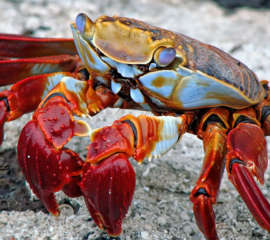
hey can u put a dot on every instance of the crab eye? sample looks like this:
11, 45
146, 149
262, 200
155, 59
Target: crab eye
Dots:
83, 23
80, 22
164, 56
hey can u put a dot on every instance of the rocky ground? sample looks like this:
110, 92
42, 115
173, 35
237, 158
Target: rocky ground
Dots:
161, 208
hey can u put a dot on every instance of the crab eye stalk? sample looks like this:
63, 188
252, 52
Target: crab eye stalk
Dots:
83, 23
164, 56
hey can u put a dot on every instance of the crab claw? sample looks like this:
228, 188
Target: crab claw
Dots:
108, 189
108, 181
247, 157
49, 169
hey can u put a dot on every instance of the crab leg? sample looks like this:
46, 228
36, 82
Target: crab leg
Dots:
18, 46
22, 57
14, 70
36, 61
144, 136
26, 95
247, 157
204, 194
108, 194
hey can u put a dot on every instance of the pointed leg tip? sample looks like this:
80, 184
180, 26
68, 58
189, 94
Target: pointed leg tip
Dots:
55, 213
251, 194
204, 215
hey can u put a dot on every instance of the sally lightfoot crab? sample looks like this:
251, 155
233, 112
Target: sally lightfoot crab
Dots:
125, 63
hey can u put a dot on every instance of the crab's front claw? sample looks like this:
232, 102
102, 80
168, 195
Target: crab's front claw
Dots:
47, 166
108, 181
108, 189
247, 157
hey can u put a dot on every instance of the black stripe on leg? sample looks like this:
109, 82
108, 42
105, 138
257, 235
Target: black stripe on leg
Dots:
5, 100
55, 94
212, 119
201, 191
133, 127
265, 113
243, 119
235, 160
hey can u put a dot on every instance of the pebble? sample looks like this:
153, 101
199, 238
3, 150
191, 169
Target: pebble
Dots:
145, 235
162, 220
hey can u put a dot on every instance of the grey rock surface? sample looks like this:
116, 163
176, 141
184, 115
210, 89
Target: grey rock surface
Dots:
161, 208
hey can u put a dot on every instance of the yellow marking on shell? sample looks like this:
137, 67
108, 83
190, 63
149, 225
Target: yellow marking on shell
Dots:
131, 41
160, 82
190, 48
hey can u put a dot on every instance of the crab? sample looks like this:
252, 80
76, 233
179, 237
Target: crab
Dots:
118, 62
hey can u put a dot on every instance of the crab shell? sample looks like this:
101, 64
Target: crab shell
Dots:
199, 75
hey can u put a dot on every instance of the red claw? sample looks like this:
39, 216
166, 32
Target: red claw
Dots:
47, 169
108, 189
107, 181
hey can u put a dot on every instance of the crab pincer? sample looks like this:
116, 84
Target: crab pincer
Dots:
109, 180
47, 166
108, 189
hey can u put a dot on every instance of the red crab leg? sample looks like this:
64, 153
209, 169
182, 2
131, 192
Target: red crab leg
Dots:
26, 95
108, 191
14, 70
247, 157
148, 136
3, 116
206, 190
18, 46
22, 57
